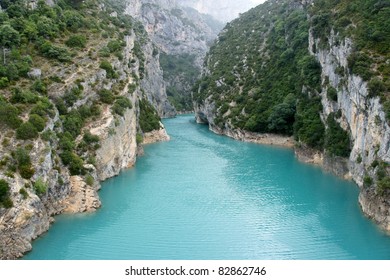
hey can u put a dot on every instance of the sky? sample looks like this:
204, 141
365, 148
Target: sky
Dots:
257, 2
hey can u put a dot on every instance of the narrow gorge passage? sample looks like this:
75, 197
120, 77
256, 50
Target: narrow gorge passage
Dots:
204, 196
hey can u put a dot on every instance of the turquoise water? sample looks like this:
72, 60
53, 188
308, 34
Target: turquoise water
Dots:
204, 196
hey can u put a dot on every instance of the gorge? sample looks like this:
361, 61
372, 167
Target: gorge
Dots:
85, 83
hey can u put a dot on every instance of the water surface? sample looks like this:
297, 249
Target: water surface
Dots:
204, 196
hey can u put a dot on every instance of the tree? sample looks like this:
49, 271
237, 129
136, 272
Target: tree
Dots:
9, 37
26, 131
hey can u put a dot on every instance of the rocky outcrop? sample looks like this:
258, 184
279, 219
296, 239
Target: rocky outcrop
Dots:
180, 33
156, 136
82, 198
361, 116
32, 210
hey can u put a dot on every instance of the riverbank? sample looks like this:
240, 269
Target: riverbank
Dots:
373, 206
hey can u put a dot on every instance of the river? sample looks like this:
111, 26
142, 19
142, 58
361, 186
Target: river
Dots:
204, 196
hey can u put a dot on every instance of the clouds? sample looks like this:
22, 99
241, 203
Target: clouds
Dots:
257, 2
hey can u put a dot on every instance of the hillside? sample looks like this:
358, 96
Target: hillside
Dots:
183, 35
314, 70
80, 87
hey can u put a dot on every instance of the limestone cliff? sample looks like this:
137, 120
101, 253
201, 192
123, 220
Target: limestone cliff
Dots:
181, 37
89, 105
362, 116
298, 69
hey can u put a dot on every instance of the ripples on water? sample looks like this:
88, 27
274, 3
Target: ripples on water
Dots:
204, 196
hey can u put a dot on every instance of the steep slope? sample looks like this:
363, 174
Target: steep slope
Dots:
314, 70
182, 36
76, 79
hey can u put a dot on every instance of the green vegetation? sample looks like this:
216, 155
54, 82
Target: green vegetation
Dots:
258, 70
106, 96
24, 164
337, 142
89, 180
76, 41
5, 200
121, 105
179, 69
40, 187
27, 131
148, 117
367, 22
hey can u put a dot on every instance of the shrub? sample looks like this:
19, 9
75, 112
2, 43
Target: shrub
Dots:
109, 70
89, 180
121, 104
115, 46
24, 97
106, 96
73, 122
148, 117
26, 131
39, 86
51, 51
4, 190
139, 139
40, 186
76, 41
90, 138
383, 185
26, 171
9, 115
332, 94
367, 181
74, 162
38, 122
7, 203
376, 87
337, 142
23, 192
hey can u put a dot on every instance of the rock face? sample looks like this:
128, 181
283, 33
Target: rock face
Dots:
354, 109
363, 117
32, 212
182, 35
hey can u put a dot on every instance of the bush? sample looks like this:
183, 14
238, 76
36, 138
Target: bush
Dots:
26, 131
332, 94
148, 117
23, 192
121, 104
139, 139
73, 122
51, 51
367, 181
39, 86
89, 180
337, 142
90, 138
9, 115
109, 70
76, 41
115, 46
383, 185
376, 87
40, 186
74, 162
106, 96
4, 190
26, 171
23, 97
38, 122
